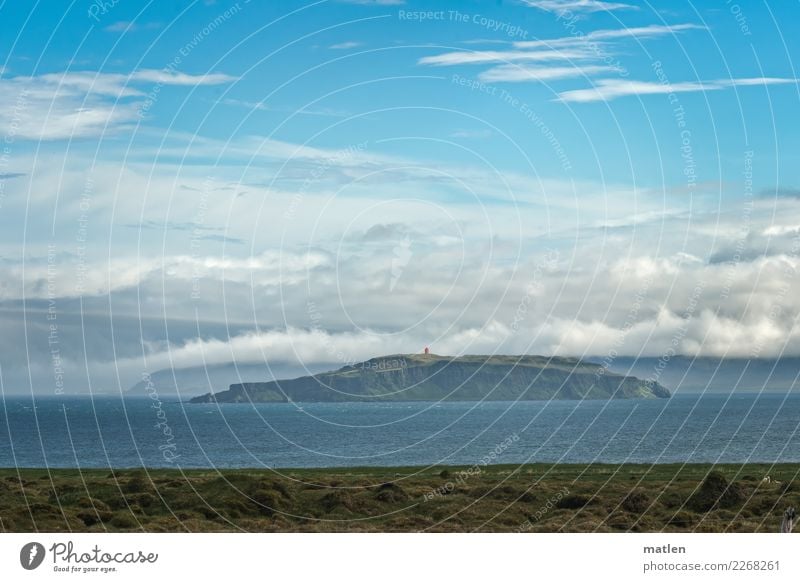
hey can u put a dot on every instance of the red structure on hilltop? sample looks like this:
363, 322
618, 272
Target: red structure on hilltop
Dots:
427, 350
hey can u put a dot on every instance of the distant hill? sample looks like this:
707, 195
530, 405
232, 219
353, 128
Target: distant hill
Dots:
432, 377
186, 382
686, 374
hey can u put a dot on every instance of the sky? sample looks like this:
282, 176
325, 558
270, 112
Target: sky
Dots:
311, 184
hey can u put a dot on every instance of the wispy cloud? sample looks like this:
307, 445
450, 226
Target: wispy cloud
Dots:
482, 57
517, 73
777, 192
172, 225
586, 6
174, 78
609, 89
128, 26
485, 41
198, 231
641, 32
346, 45
260, 106
80, 104
571, 48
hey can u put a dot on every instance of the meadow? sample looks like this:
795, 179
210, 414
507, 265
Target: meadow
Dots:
491, 498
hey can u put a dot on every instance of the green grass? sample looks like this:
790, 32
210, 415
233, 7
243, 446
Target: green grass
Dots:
498, 498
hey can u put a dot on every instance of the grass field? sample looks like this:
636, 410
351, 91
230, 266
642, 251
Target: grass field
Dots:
498, 498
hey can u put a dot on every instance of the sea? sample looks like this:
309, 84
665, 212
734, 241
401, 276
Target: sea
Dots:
114, 432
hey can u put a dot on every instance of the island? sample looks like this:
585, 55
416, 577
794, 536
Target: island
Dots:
431, 377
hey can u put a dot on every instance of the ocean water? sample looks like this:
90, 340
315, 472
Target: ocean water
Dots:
133, 432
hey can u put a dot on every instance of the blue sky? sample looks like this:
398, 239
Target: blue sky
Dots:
264, 45
216, 181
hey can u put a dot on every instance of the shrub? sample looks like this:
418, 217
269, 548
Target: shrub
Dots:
123, 521
281, 488
573, 502
266, 501
136, 484
716, 493
143, 499
621, 521
636, 501
335, 500
92, 503
391, 493
90, 518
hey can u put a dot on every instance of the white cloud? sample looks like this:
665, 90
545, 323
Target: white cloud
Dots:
346, 45
650, 31
640, 32
521, 73
77, 104
262, 106
296, 346
755, 81
781, 230
482, 57
127, 26
175, 78
458, 302
337, 251
120, 26
609, 89
561, 6
58, 277
671, 315
117, 85
571, 48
